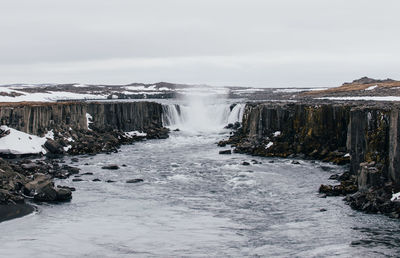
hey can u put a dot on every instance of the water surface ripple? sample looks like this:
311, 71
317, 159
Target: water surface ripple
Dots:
195, 202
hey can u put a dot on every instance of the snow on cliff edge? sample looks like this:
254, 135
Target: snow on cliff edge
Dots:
48, 96
18, 142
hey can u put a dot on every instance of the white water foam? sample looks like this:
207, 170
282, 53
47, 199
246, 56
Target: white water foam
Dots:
202, 114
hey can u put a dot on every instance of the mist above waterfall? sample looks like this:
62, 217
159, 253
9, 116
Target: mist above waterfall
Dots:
202, 113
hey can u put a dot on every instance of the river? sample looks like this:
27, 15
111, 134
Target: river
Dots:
196, 202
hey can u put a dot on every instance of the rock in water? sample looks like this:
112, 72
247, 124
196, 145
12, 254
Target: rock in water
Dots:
54, 147
111, 167
225, 152
136, 180
63, 194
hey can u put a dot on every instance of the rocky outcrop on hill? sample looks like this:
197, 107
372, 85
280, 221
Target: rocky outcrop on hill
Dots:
367, 80
364, 136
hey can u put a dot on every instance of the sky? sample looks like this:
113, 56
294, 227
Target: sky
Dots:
262, 43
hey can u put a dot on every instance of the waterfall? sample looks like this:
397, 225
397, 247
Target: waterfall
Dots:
236, 115
201, 114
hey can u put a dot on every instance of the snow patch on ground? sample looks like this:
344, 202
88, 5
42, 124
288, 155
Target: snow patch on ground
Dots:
135, 133
49, 134
395, 197
269, 145
67, 148
371, 87
46, 96
89, 120
142, 88
277, 133
18, 142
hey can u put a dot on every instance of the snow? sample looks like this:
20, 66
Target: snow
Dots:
7, 90
371, 87
293, 90
373, 98
79, 85
18, 142
395, 197
140, 92
277, 133
288, 90
347, 155
49, 134
70, 139
143, 88
46, 96
67, 148
89, 120
269, 145
250, 90
135, 133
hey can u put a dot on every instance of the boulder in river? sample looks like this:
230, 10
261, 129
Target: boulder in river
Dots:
111, 167
53, 147
133, 181
63, 194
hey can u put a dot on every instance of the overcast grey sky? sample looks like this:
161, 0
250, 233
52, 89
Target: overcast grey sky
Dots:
218, 42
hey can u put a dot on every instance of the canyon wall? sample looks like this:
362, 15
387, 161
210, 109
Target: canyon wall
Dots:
336, 132
38, 118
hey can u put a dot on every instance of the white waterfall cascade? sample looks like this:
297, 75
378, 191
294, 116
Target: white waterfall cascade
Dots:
201, 115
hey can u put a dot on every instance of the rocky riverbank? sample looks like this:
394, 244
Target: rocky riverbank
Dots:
67, 128
363, 136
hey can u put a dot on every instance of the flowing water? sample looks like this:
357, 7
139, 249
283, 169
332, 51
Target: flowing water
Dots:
195, 202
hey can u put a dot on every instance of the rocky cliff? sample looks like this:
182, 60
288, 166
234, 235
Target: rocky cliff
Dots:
365, 136
286, 129
38, 118
77, 128
69, 123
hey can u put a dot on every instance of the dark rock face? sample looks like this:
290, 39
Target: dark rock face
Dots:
128, 116
283, 130
39, 118
366, 137
69, 123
